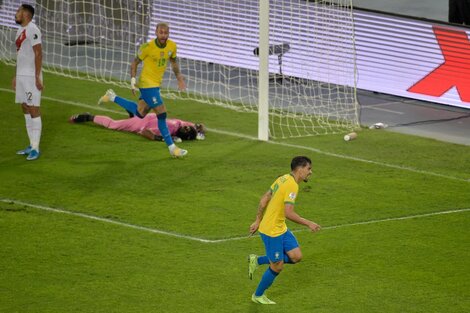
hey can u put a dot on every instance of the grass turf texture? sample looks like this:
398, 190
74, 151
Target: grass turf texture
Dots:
54, 262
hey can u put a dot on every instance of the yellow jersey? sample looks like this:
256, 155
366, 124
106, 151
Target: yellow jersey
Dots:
155, 59
283, 190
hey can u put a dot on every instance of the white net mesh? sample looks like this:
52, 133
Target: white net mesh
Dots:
81, 38
312, 55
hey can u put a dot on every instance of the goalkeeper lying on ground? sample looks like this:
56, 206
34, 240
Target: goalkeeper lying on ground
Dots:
147, 126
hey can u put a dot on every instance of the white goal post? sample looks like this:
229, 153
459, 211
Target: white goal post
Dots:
263, 71
292, 62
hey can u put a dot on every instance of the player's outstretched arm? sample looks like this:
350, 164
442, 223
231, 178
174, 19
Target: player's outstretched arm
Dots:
294, 217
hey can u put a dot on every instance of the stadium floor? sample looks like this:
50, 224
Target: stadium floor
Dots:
426, 119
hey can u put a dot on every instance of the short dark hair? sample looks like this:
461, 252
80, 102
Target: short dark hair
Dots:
29, 8
186, 133
299, 161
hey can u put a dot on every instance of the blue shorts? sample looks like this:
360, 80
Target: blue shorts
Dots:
151, 96
276, 247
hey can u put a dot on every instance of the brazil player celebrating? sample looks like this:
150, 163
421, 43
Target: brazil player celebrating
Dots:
281, 246
154, 54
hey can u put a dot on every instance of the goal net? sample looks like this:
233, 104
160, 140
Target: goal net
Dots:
312, 71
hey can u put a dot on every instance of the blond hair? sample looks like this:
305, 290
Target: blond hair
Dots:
163, 24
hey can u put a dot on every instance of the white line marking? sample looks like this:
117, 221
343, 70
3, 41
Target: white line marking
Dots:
391, 219
341, 156
382, 104
223, 132
382, 109
161, 232
106, 220
390, 103
409, 217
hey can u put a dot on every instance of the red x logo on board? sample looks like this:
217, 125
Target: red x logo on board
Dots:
455, 71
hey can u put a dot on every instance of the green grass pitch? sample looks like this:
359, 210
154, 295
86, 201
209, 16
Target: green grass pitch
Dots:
53, 261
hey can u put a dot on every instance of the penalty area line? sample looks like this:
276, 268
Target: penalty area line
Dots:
222, 240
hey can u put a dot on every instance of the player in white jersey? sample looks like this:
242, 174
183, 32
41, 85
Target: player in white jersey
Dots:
28, 80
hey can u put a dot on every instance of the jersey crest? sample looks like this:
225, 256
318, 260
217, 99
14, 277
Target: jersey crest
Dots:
292, 196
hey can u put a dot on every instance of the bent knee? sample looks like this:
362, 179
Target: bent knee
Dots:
296, 258
277, 267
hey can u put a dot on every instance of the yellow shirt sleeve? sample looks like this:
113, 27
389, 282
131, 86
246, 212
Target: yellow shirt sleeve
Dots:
142, 53
291, 193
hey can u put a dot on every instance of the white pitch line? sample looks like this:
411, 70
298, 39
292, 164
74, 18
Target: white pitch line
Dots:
105, 220
341, 156
382, 109
390, 219
223, 132
165, 233
409, 217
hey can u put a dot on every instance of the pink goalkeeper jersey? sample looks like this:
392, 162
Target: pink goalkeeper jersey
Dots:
137, 125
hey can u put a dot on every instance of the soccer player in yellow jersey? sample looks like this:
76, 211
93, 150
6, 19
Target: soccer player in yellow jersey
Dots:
154, 55
281, 246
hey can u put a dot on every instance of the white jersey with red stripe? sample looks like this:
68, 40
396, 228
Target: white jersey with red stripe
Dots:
26, 38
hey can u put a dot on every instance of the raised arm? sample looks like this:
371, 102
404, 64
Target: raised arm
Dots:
263, 203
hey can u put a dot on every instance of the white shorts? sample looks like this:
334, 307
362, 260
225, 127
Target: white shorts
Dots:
26, 91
